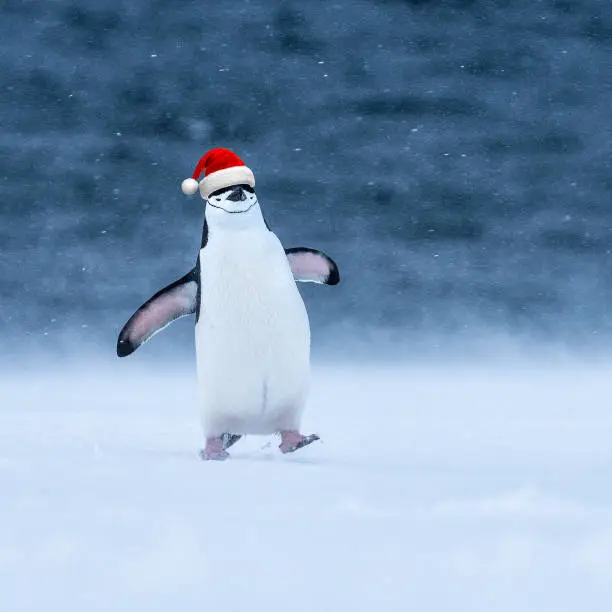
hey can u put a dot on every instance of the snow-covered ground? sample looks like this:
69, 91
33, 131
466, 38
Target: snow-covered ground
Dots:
459, 488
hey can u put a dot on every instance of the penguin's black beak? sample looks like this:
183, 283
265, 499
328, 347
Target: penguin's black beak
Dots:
237, 194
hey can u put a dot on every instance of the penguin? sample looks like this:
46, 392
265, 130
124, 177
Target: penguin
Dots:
252, 332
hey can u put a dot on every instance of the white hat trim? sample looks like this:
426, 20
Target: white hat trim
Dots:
236, 175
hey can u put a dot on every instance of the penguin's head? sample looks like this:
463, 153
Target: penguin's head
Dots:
233, 200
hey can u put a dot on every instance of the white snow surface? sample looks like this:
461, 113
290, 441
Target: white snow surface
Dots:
454, 488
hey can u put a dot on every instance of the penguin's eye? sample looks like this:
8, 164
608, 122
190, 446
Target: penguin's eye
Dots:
248, 188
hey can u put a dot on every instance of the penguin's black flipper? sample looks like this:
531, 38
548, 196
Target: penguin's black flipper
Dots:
174, 301
311, 266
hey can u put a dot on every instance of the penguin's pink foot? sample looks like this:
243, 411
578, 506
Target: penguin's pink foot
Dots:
214, 450
293, 440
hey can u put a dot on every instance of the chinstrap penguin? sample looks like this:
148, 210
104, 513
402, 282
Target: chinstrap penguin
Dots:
252, 332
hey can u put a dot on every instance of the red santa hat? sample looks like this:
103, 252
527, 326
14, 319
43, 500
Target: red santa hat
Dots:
221, 168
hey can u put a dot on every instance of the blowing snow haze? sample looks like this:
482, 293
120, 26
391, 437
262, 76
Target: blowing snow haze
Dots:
453, 158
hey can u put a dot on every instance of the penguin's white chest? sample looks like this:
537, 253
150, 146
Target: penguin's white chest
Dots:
252, 336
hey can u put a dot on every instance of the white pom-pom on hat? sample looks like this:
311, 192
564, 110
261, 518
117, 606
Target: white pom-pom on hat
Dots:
189, 186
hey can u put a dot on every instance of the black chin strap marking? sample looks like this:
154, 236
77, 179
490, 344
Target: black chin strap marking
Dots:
232, 212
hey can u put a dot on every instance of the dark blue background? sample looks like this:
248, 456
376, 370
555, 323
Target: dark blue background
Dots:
452, 156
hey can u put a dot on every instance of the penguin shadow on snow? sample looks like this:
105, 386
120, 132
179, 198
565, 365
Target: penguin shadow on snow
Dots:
252, 330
